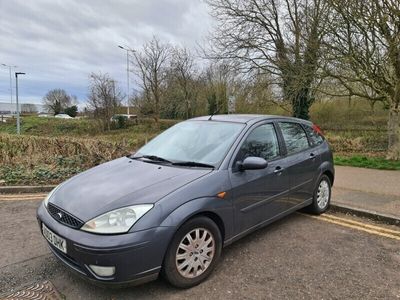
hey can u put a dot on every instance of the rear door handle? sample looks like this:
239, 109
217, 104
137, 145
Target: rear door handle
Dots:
278, 170
312, 156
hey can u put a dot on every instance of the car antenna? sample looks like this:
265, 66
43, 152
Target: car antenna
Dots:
215, 112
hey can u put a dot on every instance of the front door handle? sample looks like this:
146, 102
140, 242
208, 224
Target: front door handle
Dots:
278, 170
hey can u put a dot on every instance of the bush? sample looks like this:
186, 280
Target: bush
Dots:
38, 160
57, 149
371, 143
342, 115
121, 122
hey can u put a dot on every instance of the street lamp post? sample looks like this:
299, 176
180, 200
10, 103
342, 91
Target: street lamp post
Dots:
16, 92
11, 89
127, 74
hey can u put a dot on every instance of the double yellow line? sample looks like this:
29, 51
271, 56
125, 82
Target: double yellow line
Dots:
22, 197
372, 229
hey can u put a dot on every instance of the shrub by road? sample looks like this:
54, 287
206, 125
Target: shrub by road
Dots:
48, 153
38, 160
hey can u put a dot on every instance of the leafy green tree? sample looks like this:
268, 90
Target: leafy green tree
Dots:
72, 111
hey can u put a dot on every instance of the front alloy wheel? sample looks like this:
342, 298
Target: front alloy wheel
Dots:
192, 253
195, 253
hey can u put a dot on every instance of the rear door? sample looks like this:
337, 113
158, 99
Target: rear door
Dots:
302, 162
259, 195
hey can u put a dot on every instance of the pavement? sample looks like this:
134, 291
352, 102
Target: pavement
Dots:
333, 256
368, 180
367, 191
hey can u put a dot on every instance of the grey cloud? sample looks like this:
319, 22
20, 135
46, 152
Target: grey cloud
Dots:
58, 43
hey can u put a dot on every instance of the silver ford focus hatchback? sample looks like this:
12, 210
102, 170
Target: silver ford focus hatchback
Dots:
172, 206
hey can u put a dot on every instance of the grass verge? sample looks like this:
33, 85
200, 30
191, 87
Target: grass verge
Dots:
367, 162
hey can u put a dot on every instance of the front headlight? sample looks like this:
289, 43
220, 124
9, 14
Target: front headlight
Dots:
117, 221
46, 200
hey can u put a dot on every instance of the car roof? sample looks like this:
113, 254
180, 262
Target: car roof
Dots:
247, 118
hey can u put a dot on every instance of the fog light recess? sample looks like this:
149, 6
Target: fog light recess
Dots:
102, 271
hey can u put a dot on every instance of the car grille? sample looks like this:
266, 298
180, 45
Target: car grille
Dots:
64, 217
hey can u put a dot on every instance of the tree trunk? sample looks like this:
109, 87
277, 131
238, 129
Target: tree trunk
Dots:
394, 133
187, 108
157, 110
301, 104
394, 121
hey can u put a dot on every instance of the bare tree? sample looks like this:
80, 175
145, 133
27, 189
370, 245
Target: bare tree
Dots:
364, 49
57, 100
150, 66
218, 77
182, 71
254, 94
104, 98
279, 37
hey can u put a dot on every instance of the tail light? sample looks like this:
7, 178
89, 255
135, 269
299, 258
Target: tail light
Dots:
317, 130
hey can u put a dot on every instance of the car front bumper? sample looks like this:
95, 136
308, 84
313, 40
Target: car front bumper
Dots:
136, 256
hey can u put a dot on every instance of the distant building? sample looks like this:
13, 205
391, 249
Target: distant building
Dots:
8, 108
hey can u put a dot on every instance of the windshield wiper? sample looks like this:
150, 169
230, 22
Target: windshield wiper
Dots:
177, 163
192, 164
153, 158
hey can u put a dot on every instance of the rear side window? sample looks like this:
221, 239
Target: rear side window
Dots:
294, 136
261, 142
314, 137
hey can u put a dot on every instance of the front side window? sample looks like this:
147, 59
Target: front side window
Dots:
196, 141
294, 136
261, 142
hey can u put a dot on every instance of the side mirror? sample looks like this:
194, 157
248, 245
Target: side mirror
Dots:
252, 163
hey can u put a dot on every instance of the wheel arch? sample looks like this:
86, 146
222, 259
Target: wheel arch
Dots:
214, 217
327, 169
218, 210
330, 176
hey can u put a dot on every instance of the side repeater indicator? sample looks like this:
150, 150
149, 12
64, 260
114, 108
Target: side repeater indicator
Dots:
221, 195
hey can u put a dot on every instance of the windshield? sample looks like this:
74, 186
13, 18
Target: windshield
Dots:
204, 142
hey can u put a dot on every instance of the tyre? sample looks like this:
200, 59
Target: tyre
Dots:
322, 196
193, 253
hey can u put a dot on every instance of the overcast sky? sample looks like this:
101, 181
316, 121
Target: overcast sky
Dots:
59, 42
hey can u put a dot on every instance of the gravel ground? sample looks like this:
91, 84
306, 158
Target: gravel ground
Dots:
295, 258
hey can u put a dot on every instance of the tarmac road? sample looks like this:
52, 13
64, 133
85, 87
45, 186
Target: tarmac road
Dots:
299, 257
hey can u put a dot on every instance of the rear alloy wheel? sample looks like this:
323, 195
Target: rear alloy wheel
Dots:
193, 253
322, 196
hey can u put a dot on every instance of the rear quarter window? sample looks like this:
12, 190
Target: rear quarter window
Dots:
294, 136
315, 138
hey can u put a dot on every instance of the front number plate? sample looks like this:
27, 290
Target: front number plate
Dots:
54, 239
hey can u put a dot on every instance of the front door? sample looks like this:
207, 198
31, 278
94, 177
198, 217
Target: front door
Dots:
259, 195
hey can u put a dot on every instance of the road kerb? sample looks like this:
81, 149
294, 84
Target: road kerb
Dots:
377, 216
25, 189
